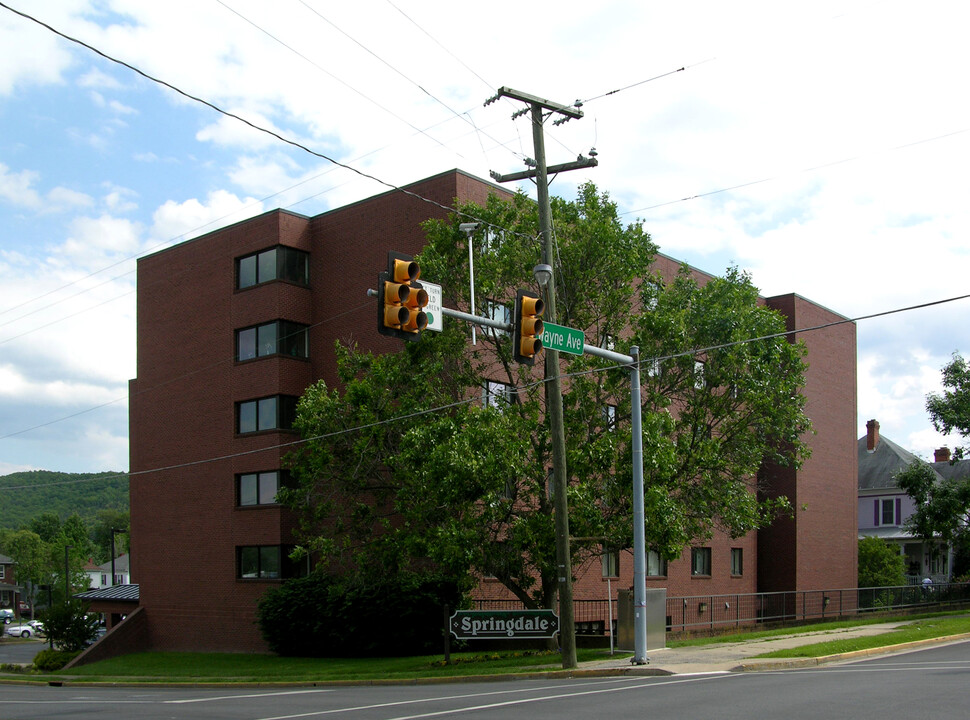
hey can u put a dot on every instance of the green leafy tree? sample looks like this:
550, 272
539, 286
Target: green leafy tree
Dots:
942, 508
68, 625
463, 483
950, 410
880, 564
47, 526
32, 558
105, 522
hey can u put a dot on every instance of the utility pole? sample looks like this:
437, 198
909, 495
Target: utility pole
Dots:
553, 387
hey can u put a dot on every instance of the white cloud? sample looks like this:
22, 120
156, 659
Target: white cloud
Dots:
96, 79
181, 220
15, 187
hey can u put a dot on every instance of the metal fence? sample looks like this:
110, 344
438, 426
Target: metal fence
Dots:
699, 613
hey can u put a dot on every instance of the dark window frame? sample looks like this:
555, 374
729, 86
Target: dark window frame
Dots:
290, 339
284, 413
280, 262
700, 562
259, 480
267, 562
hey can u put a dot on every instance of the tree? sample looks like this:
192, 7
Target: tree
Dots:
463, 483
950, 410
880, 564
101, 535
69, 626
31, 555
942, 508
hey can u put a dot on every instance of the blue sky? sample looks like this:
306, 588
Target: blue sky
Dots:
824, 147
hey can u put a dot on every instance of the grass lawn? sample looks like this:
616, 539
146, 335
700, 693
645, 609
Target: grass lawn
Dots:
238, 667
922, 629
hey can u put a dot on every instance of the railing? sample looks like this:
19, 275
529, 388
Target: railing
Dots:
698, 613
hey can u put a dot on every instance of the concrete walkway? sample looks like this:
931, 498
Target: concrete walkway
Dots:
740, 656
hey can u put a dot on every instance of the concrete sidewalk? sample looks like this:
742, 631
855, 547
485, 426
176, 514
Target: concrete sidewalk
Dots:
740, 656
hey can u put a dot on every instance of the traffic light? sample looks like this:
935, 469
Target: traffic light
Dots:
527, 327
400, 298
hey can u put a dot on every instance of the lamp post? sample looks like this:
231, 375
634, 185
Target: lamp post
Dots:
67, 574
543, 275
114, 531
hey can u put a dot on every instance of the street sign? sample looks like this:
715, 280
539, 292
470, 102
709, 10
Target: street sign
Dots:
563, 339
433, 308
504, 624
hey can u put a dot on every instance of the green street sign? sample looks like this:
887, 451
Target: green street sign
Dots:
563, 339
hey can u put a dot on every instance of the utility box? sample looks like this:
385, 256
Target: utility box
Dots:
656, 612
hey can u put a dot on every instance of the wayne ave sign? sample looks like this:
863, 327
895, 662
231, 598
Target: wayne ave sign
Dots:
504, 624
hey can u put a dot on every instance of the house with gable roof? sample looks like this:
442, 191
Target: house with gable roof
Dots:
884, 507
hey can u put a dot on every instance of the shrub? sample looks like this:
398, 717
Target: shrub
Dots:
50, 660
330, 616
880, 564
68, 626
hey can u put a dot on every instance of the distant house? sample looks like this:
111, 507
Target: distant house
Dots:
100, 575
884, 508
9, 590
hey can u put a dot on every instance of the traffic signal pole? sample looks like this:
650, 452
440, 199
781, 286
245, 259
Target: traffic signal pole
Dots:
553, 388
639, 540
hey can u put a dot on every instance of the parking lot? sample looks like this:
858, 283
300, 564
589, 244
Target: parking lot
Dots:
14, 650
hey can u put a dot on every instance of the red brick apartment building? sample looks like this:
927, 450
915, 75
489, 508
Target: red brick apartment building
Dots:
215, 382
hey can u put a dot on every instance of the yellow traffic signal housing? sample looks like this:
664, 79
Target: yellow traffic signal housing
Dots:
527, 327
401, 298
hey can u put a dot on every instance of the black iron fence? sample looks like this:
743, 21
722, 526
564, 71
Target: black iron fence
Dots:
698, 613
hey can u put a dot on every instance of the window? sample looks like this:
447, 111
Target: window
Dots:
268, 562
887, 511
653, 367
608, 342
258, 488
496, 394
277, 263
700, 561
609, 416
611, 563
699, 381
656, 565
737, 561
275, 338
271, 413
497, 311
3, 572
651, 294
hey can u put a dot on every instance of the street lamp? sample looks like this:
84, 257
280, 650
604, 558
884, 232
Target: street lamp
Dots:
543, 274
567, 626
67, 574
114, 531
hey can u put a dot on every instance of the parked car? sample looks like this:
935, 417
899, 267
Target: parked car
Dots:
37, 625
6, 615
21, 630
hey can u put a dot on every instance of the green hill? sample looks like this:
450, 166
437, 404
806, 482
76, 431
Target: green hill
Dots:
25, 495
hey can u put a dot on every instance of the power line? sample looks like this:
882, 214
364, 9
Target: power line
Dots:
329, 74
813, 168
248, 123
643, 361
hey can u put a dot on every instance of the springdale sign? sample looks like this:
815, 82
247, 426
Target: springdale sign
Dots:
503, 624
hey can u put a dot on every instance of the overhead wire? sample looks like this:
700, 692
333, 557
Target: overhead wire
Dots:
248, 123
241, 119
693, 352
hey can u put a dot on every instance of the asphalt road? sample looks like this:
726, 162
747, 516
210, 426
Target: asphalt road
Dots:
928, 683
15, 650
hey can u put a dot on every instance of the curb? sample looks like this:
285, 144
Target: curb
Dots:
768, 664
